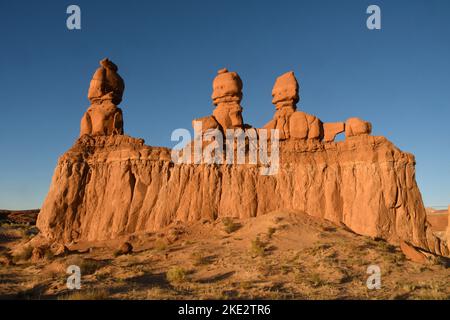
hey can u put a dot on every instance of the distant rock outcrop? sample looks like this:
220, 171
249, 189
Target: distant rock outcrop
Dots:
19, 216
109, 185
448, 227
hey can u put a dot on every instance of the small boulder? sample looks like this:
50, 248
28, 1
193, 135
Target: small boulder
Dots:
412, 253
125, 248
357, 127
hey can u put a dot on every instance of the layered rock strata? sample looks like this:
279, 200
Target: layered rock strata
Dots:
109, 185
105, 187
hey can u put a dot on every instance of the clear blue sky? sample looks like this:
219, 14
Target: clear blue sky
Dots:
169, 51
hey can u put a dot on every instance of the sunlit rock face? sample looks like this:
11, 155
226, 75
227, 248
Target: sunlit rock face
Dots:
106, 89
109, 184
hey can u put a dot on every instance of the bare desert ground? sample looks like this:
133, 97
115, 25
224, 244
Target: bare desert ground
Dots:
281, 255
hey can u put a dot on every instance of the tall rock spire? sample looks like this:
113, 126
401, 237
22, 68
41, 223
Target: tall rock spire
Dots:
106, 89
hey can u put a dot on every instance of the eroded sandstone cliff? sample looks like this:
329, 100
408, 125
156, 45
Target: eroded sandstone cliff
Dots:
108, 186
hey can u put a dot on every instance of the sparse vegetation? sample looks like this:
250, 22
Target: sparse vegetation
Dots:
303, 265
270, 232
176, 275
157, 293
285, 269
200, 259
258, 248
8, 233
87, 266
265, 269
316, 281
386, 246
93, 294
229, 225
439, 261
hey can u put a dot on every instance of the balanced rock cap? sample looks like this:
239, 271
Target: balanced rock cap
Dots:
226, 85
106, 83
286, 89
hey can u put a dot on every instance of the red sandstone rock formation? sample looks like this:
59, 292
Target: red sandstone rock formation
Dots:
293, 124
106, 81
111, 185
105, 92
227, 96
412, 253
357, 127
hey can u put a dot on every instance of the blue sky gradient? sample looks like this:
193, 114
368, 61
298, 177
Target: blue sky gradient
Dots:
168, 53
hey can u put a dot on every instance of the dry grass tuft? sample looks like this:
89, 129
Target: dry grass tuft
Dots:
229, 225
176, 275
87, 266
258, 248
93, 294
201, 259
270, 232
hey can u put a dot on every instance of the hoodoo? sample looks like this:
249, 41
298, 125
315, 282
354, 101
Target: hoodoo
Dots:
105, 92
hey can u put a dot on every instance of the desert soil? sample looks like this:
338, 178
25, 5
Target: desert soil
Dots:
281, 255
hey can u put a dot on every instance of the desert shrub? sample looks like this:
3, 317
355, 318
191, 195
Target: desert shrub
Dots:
87, 266
285, 269
229, 225
176, 275
383, 245
316, 281
270, 232
258, 248
200, 259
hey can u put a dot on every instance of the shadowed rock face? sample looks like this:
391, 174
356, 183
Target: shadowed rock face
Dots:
104, 187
